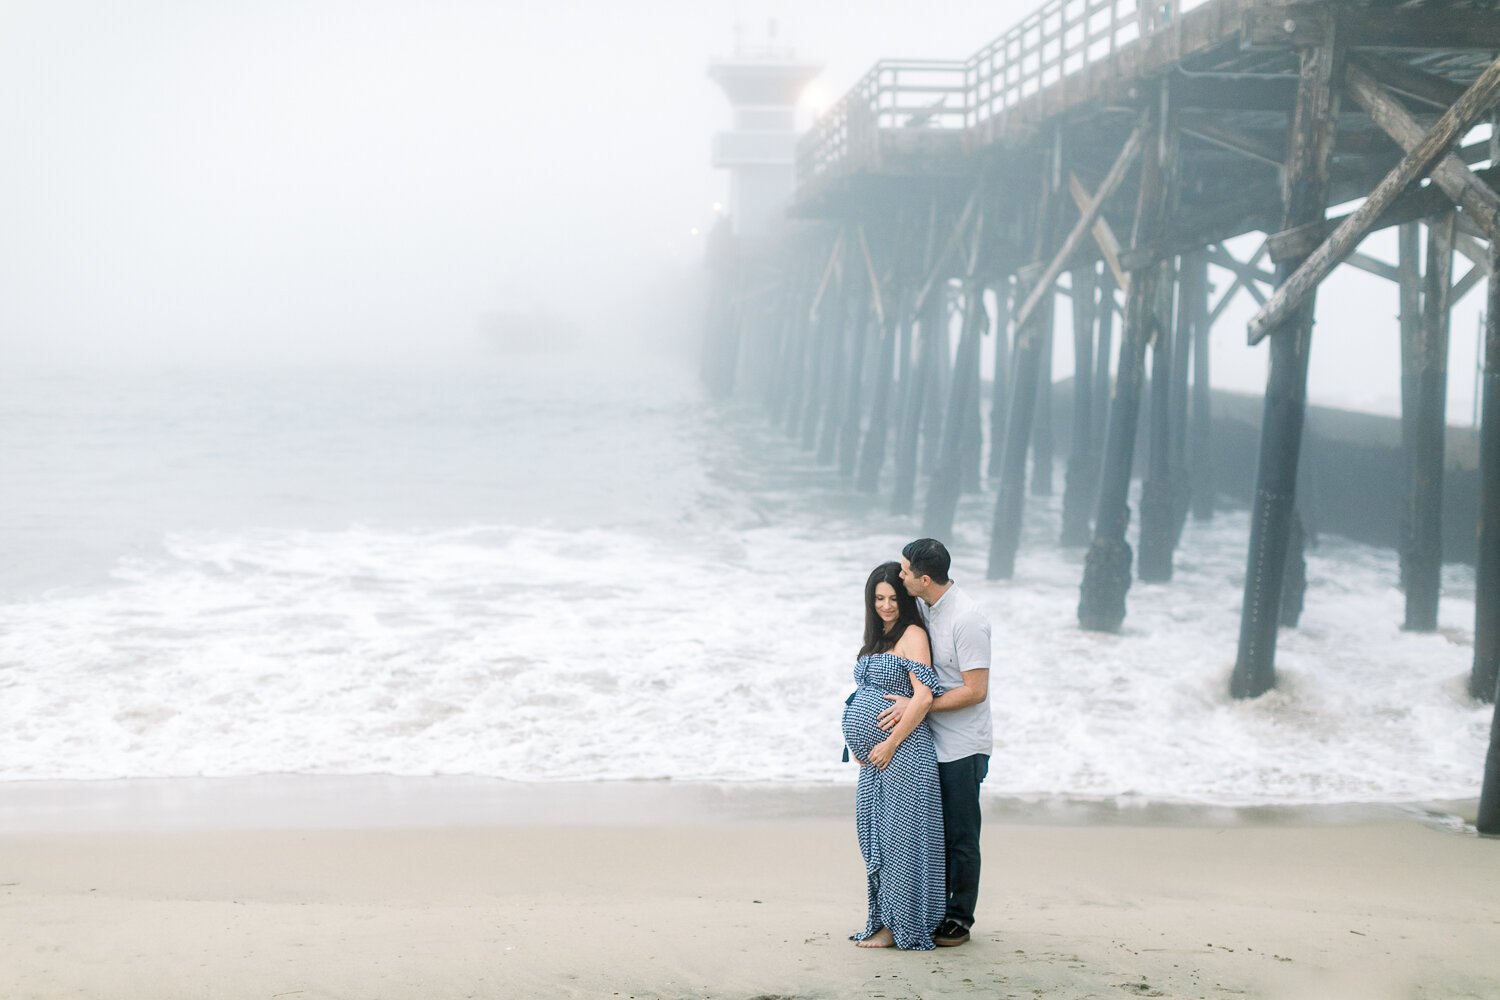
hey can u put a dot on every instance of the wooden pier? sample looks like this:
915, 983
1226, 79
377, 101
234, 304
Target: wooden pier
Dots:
1107, 150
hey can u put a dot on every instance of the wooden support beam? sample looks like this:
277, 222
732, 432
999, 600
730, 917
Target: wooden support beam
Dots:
1448, 172
1270, 94
1412, 206
931, 335
971, 435
1484, 678
946, 482
1104, 236
1158, 487
1424, 563
1407, 80
1080, 231
1027, 372
865, 301
1409, 241
825, 328
908, 408
1427, 26
842, 338
1487, 821
877, 297
829, 271
1042, 445
1273, 513
1478, 253
788, 319
1248, 145
776, 350
1200, 443
939, 382
1241, 209
1463, 286
793, 363
1081, 484
1239, 205
873, 446
1107, 567
1000, 379
1192, 276
1105, 314
897, 294
1373, 265
1287, 26
1457, 120
1240, 282
1234, 219
935, 273
1224, 299
1248, 275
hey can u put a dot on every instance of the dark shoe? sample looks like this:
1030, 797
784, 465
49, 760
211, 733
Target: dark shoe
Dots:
950, 934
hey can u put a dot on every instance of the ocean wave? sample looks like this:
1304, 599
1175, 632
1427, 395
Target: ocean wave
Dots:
719, 652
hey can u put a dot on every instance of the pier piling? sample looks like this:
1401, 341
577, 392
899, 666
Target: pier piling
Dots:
1424, 562
947, 480
1107, 567
1080, 485
1201, 422
1030, 362
1000, 380
1187, 126
1158, 492
1305, 199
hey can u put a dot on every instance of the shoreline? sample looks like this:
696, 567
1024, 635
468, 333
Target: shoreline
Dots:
378, 801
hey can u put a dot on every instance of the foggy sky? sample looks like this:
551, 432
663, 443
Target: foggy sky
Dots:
246, 181
343, 180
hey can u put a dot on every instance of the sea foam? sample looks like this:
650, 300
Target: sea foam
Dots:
562, 577
540, 654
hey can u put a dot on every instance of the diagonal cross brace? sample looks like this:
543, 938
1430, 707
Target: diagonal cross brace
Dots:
1450, 173
1085, 222
834, 266
951, 245
1475, 103
1104, 237
876, 299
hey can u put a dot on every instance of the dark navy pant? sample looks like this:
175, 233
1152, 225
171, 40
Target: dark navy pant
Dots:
960, 780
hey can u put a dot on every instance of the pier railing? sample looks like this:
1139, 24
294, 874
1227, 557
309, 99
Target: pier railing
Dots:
896, 95
1059, 40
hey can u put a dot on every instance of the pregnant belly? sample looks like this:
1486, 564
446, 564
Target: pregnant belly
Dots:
860, 731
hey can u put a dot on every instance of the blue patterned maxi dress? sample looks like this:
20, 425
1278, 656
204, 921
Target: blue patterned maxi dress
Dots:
898, 811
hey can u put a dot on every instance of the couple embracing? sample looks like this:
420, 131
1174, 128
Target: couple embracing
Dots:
919, 725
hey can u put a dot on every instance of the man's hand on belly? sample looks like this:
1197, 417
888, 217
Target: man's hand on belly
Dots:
891, 717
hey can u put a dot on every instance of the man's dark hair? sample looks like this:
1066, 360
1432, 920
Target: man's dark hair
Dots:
928, 557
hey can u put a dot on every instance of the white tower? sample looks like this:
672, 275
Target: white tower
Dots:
763, 85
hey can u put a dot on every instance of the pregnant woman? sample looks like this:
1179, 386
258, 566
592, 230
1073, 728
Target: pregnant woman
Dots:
898, 807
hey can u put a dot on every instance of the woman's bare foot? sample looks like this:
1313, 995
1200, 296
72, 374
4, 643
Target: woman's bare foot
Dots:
882, 938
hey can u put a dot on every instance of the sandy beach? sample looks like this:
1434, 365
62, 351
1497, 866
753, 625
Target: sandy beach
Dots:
665, 895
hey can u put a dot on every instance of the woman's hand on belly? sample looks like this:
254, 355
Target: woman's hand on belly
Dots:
882, 752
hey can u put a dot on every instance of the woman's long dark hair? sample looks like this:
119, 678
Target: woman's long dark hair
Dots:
877, 639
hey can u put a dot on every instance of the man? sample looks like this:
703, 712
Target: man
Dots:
960, 720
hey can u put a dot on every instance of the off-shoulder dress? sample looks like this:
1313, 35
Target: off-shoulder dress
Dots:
898, 811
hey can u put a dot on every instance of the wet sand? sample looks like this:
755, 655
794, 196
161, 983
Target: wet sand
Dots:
142, 889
